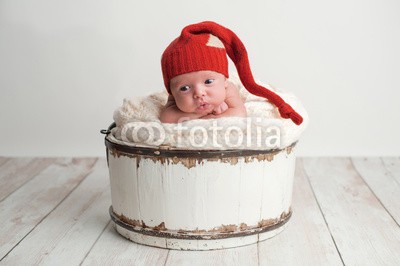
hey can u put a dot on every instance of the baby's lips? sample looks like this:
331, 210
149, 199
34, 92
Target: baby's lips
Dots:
203, 106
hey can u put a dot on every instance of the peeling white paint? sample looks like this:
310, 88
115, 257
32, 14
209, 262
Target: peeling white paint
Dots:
210, 197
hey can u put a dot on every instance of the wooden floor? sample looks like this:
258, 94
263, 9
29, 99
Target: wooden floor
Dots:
54, 211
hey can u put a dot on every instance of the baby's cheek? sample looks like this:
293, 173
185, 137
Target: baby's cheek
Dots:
184, 104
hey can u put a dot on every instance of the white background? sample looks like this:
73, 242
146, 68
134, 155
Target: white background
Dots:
66, 65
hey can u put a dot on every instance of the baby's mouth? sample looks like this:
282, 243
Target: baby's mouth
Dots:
203, 106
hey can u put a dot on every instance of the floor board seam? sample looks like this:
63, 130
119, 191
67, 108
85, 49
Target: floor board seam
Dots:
322, 213
52, 210
94, 243
372, 191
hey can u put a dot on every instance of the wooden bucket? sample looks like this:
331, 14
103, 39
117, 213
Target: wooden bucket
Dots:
199, 200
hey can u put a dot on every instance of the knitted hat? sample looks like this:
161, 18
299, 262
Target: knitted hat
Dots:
203, 46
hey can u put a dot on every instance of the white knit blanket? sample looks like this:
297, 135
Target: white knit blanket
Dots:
138, 124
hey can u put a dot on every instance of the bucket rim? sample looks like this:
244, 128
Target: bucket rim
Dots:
171, 152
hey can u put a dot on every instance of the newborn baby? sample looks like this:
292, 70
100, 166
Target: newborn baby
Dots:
201, 94
195, 72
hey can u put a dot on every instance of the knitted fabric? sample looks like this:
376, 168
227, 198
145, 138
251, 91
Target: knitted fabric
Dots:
193, 51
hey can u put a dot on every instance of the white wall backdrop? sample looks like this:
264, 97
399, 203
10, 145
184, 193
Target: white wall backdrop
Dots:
66, 65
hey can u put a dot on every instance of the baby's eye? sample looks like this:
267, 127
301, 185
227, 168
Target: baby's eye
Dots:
184, 88
209, 81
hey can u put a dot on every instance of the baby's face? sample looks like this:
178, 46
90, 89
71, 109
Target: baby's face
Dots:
199, 92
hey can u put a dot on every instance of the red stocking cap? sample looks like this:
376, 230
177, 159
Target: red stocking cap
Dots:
191, 52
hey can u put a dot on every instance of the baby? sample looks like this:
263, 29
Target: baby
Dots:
195, 72
201, 94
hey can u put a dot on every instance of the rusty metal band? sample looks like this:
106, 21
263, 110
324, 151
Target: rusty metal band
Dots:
179, 153
200, 236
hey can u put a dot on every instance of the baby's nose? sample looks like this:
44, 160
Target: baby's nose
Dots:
199, 91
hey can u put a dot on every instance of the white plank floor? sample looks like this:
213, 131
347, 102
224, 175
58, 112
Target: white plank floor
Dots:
54, 211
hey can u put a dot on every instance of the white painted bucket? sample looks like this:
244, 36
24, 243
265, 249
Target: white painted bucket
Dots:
199, 200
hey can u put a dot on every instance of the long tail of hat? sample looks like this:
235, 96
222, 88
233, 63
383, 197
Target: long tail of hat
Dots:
237, 52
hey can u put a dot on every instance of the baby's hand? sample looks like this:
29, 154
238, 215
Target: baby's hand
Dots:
220, 109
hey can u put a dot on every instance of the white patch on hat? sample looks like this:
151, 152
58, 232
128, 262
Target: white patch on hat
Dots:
215, 42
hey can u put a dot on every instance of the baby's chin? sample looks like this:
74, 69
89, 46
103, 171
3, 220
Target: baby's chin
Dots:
203, 112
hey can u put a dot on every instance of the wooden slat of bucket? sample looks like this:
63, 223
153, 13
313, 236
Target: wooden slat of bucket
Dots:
383, 177
16, 172
251, 196
306, 236
276, 194
124, 180
112, 249
25, 208
221, 205
363, 230
68, 238
177, 181
150, 190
